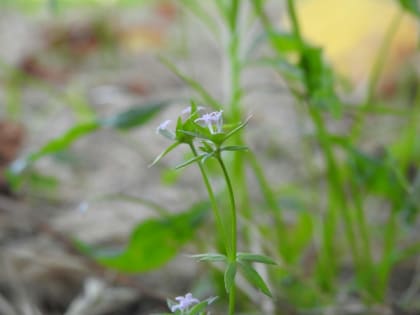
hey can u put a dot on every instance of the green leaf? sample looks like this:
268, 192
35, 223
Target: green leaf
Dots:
411, 6
284, 42
255, 258
300, 235
164, 152
154, 242
134, 116
54, 146
376, 174
190, 161
235, 148
319, 80
254, 278
210, 257
233, 131
230, 274
196, 309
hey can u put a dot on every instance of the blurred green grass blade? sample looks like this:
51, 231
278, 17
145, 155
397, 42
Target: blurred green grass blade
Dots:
80, 106
200, 12
54, 146
154, 242
319, 80
133, 117
300, 235
195, 85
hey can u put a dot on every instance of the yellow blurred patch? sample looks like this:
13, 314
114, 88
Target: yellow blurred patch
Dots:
352, 32
142, 39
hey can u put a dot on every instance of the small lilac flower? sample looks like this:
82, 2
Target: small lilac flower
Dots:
211, 120
163, 130
184, 302
186, 113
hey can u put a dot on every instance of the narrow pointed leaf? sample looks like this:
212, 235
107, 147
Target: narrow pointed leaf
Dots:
229, 277
256, 258
198, 308
210, 257
201, 306
165, 152
134, 116
254, 278
235, 148
56, 145
190, 161
235, 130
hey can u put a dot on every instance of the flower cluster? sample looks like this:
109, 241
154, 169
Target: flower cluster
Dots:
184, 303
196, 125
211, 121
163, 130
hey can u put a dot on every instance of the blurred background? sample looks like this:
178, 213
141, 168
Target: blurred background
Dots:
66, 63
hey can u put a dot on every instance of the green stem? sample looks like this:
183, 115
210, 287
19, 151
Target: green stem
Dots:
386, 263
337, 197
294, 20
367, 271
233, 15
380, 59
214, 205
234, 102
233, 223
232, 298
336, 192
234, 76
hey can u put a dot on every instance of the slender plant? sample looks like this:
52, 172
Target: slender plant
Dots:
206, 136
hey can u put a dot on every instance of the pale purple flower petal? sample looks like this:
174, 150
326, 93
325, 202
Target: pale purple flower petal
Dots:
187, 111
211, 121
184, 302
163, 130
